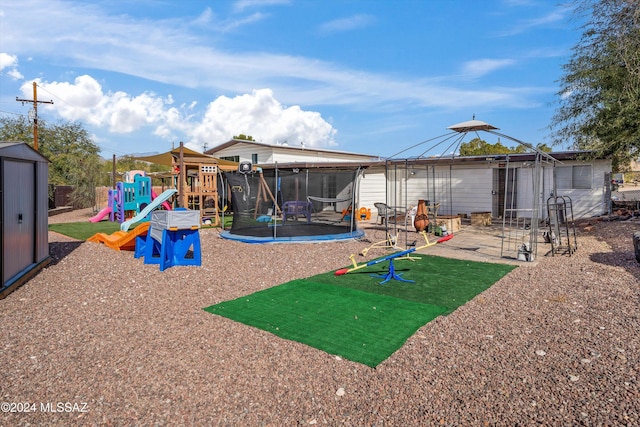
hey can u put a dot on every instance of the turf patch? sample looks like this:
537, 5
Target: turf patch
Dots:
438, 281
356, 317
360, 326
84, 230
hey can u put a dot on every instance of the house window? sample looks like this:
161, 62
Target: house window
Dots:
231, 158
254, 158
574, 177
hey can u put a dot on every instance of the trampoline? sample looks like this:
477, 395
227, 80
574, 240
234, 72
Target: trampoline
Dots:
293, 205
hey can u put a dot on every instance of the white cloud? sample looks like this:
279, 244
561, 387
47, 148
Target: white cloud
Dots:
10, 62
128, 114
84, 100
241, 5
481, 67
558, 16
230, 25
260, 115
346, 24
7, 61
205, 17
15, 74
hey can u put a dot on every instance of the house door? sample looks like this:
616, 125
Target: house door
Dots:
504, 189
18, 218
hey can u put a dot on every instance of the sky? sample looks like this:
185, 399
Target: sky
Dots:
365, 76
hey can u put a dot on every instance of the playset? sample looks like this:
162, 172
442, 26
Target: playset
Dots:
170, 238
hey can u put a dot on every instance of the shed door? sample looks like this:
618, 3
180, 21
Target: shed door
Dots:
18, 225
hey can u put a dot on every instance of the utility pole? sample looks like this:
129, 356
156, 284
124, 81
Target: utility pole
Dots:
35, 113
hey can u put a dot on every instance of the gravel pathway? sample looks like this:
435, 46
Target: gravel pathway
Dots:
99, 338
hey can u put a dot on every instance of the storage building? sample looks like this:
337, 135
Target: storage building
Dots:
23, 214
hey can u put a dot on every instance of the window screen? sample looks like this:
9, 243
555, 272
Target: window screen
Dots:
581, 176
573, 177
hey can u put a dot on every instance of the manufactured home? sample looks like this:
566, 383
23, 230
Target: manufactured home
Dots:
258, 153
463, 185
459, 184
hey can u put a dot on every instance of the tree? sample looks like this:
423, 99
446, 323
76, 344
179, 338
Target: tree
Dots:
599, 99
74, 157
244, 137
480, 147
544, 148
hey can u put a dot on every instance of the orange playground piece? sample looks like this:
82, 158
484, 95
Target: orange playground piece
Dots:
121, 240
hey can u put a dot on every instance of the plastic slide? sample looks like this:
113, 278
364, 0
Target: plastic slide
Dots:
100, 215
166, 195
121, 240
165, 205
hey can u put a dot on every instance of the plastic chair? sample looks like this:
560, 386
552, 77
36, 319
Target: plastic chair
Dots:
385, 212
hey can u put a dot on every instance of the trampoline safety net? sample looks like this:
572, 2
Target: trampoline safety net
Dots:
280, 205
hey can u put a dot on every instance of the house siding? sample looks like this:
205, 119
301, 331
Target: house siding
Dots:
270, 154
372, 189
586, 202
265, 155
470, 189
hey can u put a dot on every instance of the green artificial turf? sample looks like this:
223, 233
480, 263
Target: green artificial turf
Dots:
84, 230
360, 326
355, 316
439, 281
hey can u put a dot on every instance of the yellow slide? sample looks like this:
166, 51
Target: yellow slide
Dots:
121, 240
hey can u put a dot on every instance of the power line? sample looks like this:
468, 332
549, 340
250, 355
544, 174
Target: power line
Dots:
11, 112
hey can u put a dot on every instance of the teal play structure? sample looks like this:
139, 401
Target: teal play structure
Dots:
129, 198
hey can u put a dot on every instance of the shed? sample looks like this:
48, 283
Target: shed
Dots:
24, 214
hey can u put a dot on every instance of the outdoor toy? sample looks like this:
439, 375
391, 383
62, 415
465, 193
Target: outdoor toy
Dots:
129, 198
143, 215
391, 257
390, 275
100, 215
364, 214
389, 242
121, 240
173, 239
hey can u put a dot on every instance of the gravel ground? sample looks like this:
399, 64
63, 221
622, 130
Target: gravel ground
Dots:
553, 343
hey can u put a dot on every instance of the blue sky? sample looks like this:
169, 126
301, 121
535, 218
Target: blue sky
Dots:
365, 76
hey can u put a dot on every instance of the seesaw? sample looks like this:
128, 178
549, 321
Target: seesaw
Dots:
391, 274
390, 242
